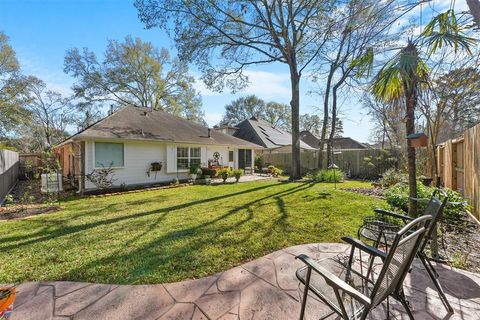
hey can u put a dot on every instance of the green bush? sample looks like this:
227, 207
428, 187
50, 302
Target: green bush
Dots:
237, 173
225, 173
329, 175
392, 177
274, 171
397, 197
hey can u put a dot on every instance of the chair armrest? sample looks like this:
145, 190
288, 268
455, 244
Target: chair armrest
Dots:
393, 215
334, 281
365, 247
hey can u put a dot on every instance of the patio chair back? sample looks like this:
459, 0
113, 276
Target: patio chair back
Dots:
399, 259
435, 210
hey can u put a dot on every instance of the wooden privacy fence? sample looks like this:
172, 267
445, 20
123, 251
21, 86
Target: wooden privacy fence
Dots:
8, 172
458, 162
351, 161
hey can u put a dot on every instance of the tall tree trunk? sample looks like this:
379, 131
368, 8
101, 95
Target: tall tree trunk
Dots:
333, 126
474, 6
295, 104
412, 168
323, 135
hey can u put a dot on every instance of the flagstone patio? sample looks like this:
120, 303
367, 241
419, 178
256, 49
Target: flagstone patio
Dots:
265, 288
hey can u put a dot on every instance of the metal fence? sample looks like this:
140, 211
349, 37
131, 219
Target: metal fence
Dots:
8, 172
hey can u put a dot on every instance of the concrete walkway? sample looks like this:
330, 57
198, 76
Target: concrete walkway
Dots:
265, 288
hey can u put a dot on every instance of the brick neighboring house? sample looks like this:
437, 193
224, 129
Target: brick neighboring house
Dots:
131, 139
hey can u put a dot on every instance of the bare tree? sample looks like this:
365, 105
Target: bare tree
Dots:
363, 25
50, 112
225, 37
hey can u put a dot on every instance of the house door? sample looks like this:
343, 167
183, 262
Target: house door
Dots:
244, 158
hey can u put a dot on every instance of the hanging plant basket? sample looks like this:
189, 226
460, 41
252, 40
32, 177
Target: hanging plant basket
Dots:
156, 166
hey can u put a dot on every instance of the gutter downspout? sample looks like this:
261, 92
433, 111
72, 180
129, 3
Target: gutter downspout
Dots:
80, 181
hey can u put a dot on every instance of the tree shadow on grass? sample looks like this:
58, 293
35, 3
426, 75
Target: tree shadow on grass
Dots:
179, 253
46, 234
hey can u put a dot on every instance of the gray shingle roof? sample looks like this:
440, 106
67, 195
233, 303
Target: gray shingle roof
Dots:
338, 143
133, 123
263, 133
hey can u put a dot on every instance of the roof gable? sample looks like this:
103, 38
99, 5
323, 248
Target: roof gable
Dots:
134, 123
261, 132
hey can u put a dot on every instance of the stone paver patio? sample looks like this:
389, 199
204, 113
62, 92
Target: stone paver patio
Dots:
265, 288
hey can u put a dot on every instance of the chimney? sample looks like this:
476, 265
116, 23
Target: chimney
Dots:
209, 132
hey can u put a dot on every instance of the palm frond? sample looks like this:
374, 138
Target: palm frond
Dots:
364, 63
445, 29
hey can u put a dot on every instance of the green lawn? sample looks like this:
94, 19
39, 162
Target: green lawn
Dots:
175, 234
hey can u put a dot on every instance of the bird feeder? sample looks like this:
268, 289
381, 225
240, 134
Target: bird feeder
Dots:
418, 139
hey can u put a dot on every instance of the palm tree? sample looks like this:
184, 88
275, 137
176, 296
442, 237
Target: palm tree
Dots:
405, 76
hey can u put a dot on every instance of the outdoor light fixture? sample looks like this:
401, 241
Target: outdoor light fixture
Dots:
418, 139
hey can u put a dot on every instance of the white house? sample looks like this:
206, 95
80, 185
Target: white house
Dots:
131, 140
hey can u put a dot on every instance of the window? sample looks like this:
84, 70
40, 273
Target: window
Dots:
187, 156
230, 156
109, 155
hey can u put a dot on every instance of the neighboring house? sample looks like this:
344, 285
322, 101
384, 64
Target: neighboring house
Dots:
131, 139
262, 133
339, 143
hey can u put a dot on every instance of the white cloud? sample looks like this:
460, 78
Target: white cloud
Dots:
213, 118
267, 85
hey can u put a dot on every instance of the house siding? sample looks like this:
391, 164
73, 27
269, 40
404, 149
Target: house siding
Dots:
138, 155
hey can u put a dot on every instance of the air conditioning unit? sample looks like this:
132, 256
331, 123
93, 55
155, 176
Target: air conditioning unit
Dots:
51, 182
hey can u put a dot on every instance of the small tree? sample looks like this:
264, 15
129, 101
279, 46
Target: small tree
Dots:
405, 76
102, 178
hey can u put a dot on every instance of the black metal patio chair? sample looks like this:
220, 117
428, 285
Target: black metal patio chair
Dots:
349, 292
381, 230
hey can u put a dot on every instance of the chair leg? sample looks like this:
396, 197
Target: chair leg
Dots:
305, 293
406, 306
434, 276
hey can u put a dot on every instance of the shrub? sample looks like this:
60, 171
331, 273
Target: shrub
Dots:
329, 175
258, 161
193, 169
237, 173
225, 173
392, 177
274, 171
397, 197
208, 172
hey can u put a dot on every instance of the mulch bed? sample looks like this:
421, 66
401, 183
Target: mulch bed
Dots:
28, 200
374, 192
460, 246
463, 246
22, 211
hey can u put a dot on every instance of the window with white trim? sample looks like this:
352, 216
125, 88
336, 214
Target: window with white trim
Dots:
109, 154
187, 157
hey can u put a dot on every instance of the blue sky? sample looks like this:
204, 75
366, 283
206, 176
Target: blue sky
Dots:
41, 31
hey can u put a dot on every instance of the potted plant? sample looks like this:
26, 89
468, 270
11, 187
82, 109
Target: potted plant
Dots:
208, 180
224, 173
194, 172
237, 173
